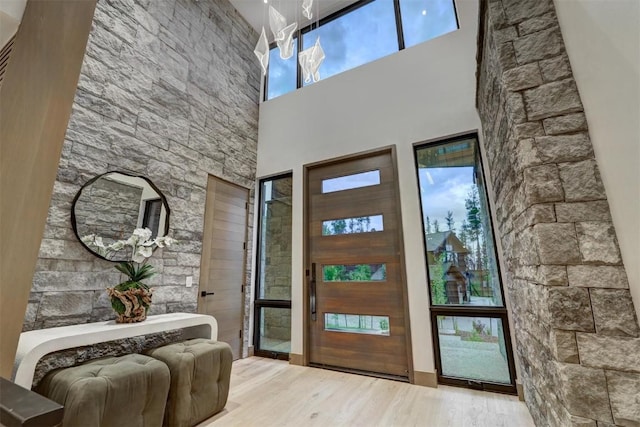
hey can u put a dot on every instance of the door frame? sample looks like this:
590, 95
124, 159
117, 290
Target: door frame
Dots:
390, 149
205, 257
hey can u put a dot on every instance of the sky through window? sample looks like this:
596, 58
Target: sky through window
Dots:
362, 36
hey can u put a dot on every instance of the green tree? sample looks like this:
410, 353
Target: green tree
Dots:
438, 291
463, 233
339, 226
450, 221
472, 203
428, 225
436, 226
334, 273
362, 272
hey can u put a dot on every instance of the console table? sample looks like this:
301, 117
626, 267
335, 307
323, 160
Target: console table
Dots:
33, 345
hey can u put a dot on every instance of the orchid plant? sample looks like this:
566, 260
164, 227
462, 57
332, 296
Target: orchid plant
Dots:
140, 245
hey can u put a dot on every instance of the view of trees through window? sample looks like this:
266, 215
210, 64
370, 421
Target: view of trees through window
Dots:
459, 240
363, 224
357, 323
354, 273
362, 35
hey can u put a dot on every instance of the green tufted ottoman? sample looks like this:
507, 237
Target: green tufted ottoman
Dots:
200, 374
111, 392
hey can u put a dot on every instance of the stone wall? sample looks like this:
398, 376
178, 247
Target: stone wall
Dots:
169, 90
108, 209
576, 329
276, 261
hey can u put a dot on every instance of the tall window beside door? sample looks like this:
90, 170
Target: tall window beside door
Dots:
273, 287
468, 313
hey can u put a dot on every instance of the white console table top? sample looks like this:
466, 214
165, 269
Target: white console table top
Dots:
33, 345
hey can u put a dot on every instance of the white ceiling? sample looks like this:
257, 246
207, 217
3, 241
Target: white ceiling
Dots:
256, 11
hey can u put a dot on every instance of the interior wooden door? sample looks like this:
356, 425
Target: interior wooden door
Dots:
356, 290
222, 272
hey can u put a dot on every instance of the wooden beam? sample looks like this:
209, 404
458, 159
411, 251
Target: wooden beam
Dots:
35, 104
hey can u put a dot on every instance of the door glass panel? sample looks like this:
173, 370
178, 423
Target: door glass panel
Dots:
362, 224
354, 273
348, 182
275, 329
461, 255
356, 323
473, 348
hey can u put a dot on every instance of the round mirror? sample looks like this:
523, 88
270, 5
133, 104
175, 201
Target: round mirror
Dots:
111, 206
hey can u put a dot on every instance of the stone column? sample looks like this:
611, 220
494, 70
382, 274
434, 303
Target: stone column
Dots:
576, 329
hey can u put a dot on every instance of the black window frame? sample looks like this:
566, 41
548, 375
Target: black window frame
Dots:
497, 312
260, 303
314, 25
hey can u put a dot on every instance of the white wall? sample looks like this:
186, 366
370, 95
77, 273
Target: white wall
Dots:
603, 43
422, 93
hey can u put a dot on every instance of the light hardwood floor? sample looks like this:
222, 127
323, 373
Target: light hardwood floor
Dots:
266, 392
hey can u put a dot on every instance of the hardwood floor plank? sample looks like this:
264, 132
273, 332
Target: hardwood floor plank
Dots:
266, 392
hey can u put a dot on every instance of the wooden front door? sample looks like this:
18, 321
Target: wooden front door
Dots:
357, 314
222, 269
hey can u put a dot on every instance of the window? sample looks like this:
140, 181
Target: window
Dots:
282, 73
424, 20
151, 218
354, 273
349, 182
361, 224
356, 323
364, 35
457, 227
468, 315
361, 33
273, 288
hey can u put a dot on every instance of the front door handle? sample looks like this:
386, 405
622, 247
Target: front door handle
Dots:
312, 292
205, 293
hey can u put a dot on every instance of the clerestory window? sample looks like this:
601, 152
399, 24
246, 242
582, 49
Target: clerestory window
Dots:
359, 34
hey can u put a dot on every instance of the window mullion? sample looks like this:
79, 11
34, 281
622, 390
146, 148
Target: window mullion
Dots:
396, 6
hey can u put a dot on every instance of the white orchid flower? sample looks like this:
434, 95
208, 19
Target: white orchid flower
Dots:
144, 234
98, 242
116, 246
89, 238
142, 253
132, 241
165, 241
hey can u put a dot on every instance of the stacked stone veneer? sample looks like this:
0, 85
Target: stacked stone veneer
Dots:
276, 259
168, 90
109, 209
576, 330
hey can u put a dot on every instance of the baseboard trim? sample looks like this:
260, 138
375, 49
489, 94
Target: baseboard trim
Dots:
425, 379
520, 391
296, 359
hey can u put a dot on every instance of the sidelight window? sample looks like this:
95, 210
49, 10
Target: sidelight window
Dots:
468, 314
273, 288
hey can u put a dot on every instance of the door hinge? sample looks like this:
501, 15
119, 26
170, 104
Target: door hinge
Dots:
246, 205
244, 246
240, 333
242, 289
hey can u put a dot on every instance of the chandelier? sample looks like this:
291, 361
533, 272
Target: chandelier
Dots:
310, 59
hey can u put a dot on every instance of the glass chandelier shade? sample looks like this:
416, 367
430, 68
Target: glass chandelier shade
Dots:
262, 51
310, 60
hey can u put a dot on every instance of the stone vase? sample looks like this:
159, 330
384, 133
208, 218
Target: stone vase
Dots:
130, 300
